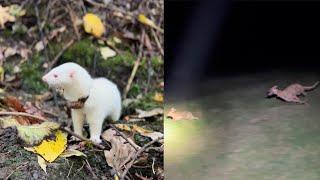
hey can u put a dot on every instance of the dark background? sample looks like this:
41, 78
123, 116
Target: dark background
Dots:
253, 36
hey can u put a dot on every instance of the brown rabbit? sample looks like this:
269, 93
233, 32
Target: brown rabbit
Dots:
291, 93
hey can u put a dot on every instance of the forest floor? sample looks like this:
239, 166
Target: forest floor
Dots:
44, 34
244, 135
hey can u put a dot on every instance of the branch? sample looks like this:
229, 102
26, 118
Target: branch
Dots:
123, 136
136, 65
55, 60
135, 156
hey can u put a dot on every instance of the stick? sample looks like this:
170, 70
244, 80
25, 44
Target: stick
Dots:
67, 130
135, 67
43, 119
73, 20
136, 155
157, 42
123, 136
6, 178
40, 29
55, 60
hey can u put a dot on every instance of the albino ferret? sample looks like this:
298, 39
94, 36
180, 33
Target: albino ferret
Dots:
101, 97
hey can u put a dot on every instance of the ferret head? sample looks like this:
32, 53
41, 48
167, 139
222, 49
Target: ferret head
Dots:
63, 75
273, 91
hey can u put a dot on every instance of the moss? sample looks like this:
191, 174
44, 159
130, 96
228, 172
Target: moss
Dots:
31, 73
81, 52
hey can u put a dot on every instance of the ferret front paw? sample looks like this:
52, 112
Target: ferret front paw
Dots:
96, 140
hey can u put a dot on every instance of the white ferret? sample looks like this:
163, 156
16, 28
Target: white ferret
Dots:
103, 97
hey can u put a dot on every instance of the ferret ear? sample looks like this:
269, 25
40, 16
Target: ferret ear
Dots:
72, 73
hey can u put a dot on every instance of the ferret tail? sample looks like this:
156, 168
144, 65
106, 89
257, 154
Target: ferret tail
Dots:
308, 88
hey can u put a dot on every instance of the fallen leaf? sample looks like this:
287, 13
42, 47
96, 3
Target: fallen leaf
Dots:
158, 97
144, 132
144, 20
16, 10
10, 52
153, 112
72, 152
8, 122
93, 25
42, 163
33, 134
39, 46
51, 149
5, 16
180, 115
31, 149
120, 152
107, 52
14, 103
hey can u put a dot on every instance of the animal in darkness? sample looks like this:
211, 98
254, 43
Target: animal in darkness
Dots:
292, 92
100, 97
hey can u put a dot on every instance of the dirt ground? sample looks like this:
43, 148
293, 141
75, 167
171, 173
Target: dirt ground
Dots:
244, 135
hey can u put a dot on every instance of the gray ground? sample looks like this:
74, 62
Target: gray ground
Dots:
246, 136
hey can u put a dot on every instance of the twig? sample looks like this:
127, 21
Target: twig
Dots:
136, 65
43, 119
22, 114
73, 20
6, 178
40, 29
157, 42
135, 156
90, 169
69, 170
123, 136
82, 138
55, 60
96, 4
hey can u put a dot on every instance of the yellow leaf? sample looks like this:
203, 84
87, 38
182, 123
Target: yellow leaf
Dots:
42, 163
51, 149
72, 152
158, 97
116, 177
35, 133
93, 25
124, 127
144, 20
5, 16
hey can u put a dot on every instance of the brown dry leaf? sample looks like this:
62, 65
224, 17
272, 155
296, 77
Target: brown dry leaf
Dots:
43, 97
120, 152
144, 132
14, 103
153, 112
43, 43
180, 115
5, 16
9, 51
31, 109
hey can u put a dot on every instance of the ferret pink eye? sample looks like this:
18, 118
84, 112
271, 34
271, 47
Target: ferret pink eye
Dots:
55, 75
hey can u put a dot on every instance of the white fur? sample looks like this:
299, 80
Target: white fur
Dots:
104, 97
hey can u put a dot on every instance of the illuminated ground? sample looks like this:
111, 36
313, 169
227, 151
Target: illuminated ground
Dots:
246, 136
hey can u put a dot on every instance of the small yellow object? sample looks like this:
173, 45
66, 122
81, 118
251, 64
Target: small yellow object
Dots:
51, 149
93, 25
144, 20
158, 97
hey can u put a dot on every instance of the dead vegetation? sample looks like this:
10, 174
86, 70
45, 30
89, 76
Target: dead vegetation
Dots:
127, 48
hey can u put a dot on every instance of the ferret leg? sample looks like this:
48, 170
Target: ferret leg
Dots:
95, 121
297, 100
77, 120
